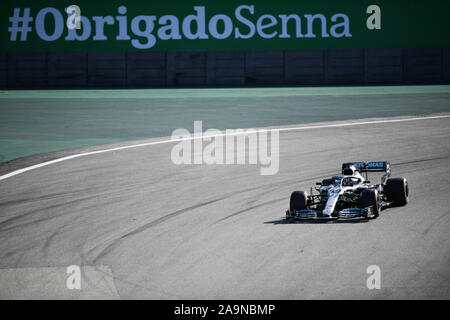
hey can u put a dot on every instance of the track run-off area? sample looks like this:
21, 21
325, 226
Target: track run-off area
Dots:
142, 227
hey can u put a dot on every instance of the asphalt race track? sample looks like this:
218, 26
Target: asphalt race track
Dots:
166, 231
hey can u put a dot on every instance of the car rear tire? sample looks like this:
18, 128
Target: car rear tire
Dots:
397, 191
299, 200
369, 199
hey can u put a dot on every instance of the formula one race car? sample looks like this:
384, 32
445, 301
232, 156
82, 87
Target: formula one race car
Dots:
350, 195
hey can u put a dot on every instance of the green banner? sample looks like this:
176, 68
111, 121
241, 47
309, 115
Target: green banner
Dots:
82, 25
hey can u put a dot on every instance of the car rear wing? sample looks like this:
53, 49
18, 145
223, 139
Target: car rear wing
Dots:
373, 166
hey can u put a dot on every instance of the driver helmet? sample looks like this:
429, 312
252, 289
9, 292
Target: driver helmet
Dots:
349, 182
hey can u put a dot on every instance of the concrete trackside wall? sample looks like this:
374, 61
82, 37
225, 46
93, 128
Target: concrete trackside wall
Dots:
129, 44
446, 65
3, 69
224, 68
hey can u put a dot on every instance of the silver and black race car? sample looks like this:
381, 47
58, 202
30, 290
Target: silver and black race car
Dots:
350, 195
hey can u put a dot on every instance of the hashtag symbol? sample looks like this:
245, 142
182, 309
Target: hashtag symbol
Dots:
20, 24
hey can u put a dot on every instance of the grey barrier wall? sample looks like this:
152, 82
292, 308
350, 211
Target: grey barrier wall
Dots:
224, 68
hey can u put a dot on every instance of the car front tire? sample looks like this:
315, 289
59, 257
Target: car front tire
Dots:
369, 199
299, 200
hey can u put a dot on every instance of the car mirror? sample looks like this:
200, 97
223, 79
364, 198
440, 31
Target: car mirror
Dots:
366, 181
318, 183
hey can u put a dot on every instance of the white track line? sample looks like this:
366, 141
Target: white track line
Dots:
47, 163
